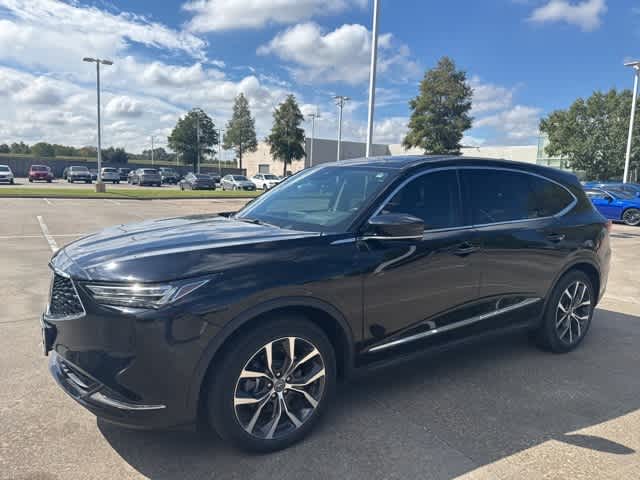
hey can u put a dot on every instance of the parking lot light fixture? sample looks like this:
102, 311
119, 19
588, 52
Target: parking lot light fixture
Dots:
636, 68
340, 101
99, 185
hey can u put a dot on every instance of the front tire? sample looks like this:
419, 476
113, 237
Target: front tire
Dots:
631, 217
568, 314
273, 385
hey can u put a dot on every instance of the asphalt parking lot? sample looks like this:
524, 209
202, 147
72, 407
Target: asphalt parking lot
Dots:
500, 409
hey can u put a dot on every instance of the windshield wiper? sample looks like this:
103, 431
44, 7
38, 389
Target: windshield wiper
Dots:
255, 221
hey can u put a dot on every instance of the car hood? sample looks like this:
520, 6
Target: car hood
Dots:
162, 250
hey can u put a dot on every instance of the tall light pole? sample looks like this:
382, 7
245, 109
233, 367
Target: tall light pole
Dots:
97, 61
340, 101
220, 151
152, 152
636, 68
197, 144
372, 76
313, 134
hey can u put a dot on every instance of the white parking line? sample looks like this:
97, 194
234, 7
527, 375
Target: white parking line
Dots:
45, 232
47, 201
60, 235
113, 201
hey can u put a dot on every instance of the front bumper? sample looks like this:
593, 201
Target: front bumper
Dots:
131, 368
100, 400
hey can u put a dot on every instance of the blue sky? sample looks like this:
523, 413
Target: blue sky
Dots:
524, 58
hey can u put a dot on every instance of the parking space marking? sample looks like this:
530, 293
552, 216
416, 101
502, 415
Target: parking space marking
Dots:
113, 201
58, 235
45, 232
47, 201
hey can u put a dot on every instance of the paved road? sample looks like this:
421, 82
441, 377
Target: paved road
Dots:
498, 410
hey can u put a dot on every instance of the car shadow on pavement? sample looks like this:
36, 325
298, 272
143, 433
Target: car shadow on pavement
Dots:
439, 416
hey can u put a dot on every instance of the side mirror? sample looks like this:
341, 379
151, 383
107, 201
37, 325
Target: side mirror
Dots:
395, 225
609, 198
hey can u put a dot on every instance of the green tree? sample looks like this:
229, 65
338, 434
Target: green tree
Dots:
241, 129
183, 138
114, 155
20, 148
592, 134
43, 149
4, 148
63, 151
287, 138
440, 112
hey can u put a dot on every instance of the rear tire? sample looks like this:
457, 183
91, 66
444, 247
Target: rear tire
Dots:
568, 315
267, 412
631, 217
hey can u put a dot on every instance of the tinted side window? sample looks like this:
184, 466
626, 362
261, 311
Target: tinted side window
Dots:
596, 194
499, 196
433, 197
551, 198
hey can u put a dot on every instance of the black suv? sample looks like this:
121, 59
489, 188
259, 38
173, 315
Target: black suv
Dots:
246, 321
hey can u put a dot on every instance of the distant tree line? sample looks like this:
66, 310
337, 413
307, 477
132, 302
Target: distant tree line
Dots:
52, 150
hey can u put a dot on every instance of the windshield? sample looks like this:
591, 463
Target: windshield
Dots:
109, 170
147, 171
79, 169
323, 199
240, 178
270, 177
4, 168
203, 176
39, 168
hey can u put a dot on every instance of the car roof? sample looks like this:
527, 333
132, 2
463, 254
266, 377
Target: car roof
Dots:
409, 162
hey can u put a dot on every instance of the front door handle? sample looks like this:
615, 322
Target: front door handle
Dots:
465, 249
556, 237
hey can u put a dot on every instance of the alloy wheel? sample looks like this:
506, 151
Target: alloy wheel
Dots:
573, 312
279, 388
631, 217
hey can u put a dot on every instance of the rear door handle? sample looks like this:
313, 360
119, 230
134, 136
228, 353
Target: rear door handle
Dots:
465, 249
556, 237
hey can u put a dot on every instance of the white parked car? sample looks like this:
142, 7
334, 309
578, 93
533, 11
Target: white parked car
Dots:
110, 174
265, 181
237, 182
6, 175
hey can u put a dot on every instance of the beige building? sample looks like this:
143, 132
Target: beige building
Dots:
324, 150
523, 153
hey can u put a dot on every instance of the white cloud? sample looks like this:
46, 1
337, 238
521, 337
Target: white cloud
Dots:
488, 97
99, 26
124, 106
218, 15
586, 14
518, 123
341, 55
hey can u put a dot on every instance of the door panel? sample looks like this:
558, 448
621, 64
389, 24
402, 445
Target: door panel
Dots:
521, 242
409, 281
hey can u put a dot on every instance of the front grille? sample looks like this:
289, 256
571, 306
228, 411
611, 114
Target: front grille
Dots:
64, 300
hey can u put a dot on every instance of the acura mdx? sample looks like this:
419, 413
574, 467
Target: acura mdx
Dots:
246, 321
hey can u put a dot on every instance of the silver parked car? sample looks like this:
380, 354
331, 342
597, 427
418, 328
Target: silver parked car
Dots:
6, 175
146, 176
237, 182
110, 174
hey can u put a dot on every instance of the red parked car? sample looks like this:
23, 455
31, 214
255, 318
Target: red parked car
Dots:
40, 172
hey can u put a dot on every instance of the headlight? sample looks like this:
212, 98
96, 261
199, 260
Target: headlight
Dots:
139, 295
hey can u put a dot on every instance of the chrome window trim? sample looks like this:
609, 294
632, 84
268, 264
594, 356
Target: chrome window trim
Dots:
452, 326
561, 213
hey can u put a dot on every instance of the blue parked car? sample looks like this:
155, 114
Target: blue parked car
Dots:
615, 204
632, 188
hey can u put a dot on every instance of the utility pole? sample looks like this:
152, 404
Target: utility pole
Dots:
372, 77
220, 151
97, 61
340, 101
313, 134
152, 152
636, 68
